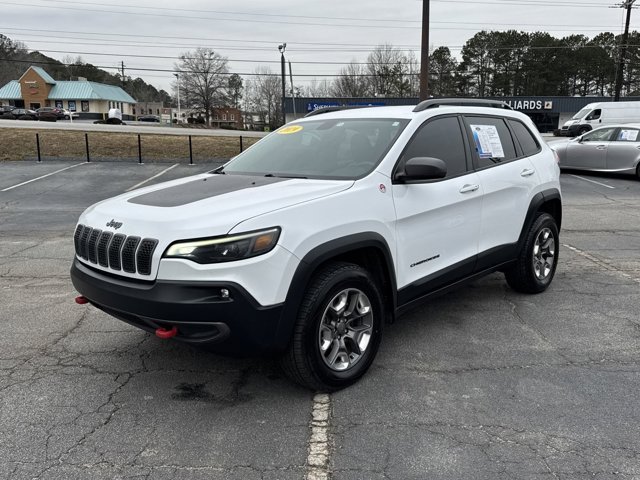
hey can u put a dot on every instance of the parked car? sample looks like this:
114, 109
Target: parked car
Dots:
307, 243
614, 148
6, 109
49, 114
20, 114
66, 114
149, 118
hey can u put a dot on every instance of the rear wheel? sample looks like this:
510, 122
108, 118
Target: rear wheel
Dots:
338, 329
638, 171
537, 260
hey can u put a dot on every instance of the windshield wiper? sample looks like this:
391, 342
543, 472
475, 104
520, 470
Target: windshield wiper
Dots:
284, 176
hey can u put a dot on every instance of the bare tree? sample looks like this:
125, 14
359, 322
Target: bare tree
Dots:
352, 82
387, 73
203, 79
318, 88
262, 95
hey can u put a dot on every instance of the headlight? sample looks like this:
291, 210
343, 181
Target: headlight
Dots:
225, 249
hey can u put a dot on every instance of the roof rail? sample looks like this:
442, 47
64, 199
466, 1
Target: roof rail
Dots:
335, 109
460, 102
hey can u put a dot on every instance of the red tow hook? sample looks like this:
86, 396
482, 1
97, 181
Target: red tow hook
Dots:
81, 300
164, 333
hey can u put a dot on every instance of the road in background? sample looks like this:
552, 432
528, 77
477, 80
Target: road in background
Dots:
134, 127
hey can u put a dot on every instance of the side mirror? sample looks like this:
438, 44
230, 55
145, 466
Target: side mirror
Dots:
422, 168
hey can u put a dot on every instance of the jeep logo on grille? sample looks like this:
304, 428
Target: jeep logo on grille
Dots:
114, 224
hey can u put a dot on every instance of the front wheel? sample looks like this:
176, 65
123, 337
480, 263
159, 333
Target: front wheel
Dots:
538, 258
338, 329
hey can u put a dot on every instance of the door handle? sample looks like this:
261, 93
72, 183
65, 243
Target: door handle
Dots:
469, 188
527, 172
601, 147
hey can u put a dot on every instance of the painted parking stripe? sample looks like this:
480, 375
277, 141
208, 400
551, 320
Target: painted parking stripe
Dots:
152, 178
43, 176
593, 181
319, 446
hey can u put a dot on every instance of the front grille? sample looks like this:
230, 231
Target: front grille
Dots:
117, 252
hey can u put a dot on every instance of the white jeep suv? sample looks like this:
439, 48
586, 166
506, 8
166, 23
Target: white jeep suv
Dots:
307, 243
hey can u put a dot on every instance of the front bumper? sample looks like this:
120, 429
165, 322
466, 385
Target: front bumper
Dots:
202, 315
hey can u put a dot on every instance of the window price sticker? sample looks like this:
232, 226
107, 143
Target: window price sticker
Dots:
487, 141
628, 135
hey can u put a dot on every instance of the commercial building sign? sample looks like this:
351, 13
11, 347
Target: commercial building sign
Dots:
33, 87
530, 105
312, 107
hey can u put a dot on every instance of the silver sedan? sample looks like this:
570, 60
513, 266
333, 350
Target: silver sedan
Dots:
614, 148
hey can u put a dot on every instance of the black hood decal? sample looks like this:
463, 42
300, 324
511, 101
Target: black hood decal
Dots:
200, 189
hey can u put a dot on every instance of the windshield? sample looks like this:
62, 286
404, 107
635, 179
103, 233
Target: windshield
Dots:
330, 148
581, 114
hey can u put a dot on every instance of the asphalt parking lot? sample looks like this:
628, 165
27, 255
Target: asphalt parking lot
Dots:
482, 383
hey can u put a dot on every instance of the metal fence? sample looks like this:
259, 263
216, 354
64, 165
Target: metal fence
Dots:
99, 146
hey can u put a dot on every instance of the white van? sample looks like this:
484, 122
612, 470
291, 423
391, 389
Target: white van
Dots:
596, 115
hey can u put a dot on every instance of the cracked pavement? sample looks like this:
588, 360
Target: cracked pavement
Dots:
482, 383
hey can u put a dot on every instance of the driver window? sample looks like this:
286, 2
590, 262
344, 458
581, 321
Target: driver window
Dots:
440, 138
595, 115
600, 135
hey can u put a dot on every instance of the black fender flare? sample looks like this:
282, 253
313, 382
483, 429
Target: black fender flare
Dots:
314, 259
536, 204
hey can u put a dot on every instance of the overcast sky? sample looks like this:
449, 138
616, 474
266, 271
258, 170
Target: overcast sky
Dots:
248, 32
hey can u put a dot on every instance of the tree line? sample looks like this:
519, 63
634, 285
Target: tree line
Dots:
491, 63
15, 59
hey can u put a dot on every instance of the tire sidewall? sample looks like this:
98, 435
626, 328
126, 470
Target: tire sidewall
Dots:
355, 278
543, 221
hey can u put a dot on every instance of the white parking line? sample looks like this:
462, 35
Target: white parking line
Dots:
149, 179
602, 263
43, 176
319, 446
593, 181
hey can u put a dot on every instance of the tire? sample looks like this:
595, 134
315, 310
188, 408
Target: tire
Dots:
537, 260
638, 171
328, 351
583, 130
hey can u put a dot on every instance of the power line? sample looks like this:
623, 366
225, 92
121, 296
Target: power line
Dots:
187, 17
279, 15
263, 21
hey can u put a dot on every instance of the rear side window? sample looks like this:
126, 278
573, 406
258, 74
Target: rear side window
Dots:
524, 136
491, 139
439, 138
627, 135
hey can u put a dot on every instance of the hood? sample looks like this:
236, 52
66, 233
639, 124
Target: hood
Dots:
203, 205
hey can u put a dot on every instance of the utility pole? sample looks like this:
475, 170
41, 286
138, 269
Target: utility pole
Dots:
623, 50
281, 49
424, 55
293, 93
177, 75
122, 74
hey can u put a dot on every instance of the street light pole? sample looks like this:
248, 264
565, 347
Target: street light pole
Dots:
282, 48
177, 75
